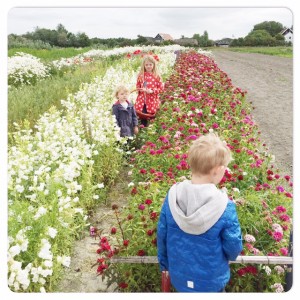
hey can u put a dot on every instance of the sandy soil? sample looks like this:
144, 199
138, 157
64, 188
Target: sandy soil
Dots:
269, 83
81, 276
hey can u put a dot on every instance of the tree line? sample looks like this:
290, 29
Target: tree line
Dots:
263, 34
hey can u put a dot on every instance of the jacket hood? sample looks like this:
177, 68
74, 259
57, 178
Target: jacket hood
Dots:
196, 207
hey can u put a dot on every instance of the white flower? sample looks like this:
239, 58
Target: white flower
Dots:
14, 250
52, 232
277, 227
268, 270
96, 197
249, 238
64, 260
130, 184
236, 189
45, 252
19, 188
278, 287
41, 211
279, 269
42, 290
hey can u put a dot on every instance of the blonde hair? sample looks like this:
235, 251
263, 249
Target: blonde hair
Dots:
153, 61
120, 88
208, 152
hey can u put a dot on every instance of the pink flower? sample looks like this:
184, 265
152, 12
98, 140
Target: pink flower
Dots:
280, 209
284, 251
141, 206
277, 236
284, 218
280, 189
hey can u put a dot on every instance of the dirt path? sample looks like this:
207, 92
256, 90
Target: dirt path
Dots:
80, 277
269, 83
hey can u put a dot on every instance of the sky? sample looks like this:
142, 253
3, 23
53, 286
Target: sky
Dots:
129, 22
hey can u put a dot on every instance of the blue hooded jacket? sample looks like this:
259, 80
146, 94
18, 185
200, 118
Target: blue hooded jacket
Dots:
198, 233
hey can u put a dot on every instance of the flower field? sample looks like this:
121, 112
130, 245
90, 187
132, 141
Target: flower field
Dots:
199, 98
59, 171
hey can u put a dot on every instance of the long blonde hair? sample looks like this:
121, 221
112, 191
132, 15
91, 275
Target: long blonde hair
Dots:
151, 59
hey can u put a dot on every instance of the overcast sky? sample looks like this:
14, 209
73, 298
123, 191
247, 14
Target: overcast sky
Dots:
129, 22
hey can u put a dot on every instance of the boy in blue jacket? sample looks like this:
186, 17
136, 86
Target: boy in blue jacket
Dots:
198, 230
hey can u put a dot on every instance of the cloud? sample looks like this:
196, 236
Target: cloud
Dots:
129, 22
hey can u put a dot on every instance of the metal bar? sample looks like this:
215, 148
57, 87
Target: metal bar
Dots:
277, 260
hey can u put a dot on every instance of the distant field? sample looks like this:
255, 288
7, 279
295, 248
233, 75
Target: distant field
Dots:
49, 55
277, 51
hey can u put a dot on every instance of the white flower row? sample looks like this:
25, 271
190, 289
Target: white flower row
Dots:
43, 172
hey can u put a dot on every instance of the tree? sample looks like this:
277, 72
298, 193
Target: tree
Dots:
259, 38
237, 42
271, 27
141, 40
203, 40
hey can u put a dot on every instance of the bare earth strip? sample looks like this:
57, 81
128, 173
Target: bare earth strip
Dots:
268, 81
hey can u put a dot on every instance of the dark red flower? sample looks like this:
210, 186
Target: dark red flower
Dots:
123, 285
141, 252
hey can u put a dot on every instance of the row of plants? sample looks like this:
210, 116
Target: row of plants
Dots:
57, 173
26, 69
200, 98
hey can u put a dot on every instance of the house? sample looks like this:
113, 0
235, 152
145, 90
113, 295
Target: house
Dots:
223, 43
160, 37
288, 34
186, 42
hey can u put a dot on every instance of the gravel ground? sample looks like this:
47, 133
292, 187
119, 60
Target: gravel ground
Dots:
268, 81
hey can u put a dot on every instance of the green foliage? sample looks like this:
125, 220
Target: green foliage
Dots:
277, 51
29, 102
259, 38
15, 41
271, 27
48, 55
203, 40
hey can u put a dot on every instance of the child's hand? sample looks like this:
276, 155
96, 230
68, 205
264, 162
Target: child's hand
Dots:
149, 91
135, 130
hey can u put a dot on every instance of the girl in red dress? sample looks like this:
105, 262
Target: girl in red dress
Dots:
149, 85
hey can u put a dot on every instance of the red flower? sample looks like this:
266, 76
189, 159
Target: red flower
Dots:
141, 252
113, 230
126, 243
153, 215
143, 171
148, 201
123, 285
134, 191
240, 177
150, 232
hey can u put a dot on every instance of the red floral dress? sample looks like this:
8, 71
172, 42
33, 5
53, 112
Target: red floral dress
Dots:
151, 100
